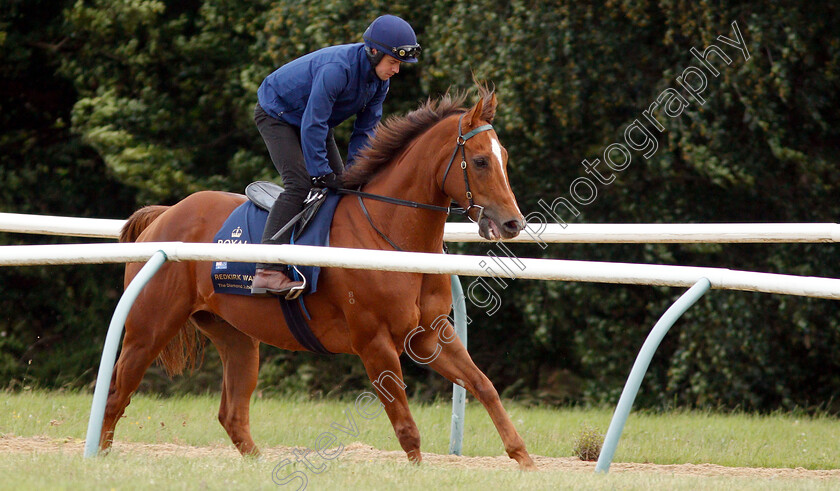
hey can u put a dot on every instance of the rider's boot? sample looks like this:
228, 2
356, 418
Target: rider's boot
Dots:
273, 278
275, 282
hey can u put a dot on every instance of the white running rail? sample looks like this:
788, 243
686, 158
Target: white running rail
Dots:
535, 232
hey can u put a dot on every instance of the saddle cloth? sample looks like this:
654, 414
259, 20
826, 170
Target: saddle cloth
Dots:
245, 225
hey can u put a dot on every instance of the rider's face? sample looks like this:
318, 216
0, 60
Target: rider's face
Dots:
387, 67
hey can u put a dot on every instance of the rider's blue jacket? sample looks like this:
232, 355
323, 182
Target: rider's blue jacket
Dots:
320, 90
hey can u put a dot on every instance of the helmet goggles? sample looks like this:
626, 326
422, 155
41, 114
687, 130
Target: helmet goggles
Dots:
407, 52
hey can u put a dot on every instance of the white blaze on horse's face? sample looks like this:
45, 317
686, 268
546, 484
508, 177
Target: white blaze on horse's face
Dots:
496, 147
497, 151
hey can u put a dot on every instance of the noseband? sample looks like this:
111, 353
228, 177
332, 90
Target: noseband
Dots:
459, 145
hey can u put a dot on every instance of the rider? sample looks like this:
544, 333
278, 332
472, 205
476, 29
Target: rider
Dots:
300, 103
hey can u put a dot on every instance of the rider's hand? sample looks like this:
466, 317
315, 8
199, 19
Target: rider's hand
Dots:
330, 180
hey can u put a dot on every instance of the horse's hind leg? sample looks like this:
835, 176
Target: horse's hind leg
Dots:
145, 336
241, 361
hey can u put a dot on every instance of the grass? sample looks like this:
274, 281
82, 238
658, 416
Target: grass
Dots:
137, 472
742, 440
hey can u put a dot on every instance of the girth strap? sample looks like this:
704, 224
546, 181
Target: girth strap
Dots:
300, 328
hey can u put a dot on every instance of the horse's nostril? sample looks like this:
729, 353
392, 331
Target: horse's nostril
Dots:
513, 225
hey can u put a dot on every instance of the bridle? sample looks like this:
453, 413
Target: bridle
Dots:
449, 210
460, 142
459, 145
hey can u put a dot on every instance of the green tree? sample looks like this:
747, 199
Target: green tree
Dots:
572, 77
52, 322
167, 91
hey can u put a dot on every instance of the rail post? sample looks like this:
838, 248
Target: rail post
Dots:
109, 352
459, 394
637, 373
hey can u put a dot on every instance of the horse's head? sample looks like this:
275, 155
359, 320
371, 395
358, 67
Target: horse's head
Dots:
476, 177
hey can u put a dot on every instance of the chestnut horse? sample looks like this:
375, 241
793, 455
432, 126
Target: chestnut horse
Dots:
367, 313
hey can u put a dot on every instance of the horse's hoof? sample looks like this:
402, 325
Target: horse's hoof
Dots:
254, 456
414, 457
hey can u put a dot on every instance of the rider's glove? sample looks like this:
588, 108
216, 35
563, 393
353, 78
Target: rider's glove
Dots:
330, 180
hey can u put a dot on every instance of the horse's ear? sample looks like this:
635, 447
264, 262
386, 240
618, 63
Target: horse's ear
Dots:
489, 111
476, 114
485, 109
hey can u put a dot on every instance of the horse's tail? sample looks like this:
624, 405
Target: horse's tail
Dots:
139, 220
186, 349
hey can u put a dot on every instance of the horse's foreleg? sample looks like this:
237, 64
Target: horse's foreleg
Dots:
241, 361
383, 367
455, 363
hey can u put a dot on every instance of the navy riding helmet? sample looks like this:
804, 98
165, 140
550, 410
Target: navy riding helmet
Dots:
391, 35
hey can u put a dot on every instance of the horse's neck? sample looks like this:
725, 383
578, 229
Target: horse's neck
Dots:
411, 177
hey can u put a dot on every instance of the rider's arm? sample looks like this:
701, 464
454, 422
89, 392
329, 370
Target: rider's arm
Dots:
366, 121
326, 86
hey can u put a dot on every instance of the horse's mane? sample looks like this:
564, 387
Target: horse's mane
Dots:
395, 133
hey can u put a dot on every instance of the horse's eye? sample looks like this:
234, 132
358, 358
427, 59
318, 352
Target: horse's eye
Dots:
480, 162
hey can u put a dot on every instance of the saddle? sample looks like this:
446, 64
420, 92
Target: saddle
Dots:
264, 193
245, 225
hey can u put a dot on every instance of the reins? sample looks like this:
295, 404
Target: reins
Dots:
449, 210
460, 142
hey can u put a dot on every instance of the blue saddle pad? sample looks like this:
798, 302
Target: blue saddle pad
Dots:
245, 226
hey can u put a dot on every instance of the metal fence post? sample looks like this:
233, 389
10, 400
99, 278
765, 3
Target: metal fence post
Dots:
109, 352
631, 388
459, 394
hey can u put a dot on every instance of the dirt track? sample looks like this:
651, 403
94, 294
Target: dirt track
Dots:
362, 452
